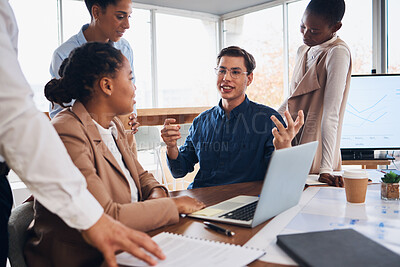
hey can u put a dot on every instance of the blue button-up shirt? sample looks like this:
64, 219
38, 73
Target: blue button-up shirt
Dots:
229, 150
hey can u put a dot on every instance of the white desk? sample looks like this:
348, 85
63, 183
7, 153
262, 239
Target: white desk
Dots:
325, 208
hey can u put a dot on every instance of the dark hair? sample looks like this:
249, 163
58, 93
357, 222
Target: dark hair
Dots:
102, 3
235, 51
331, 10
84, 66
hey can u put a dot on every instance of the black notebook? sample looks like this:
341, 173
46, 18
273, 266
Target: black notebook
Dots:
345, 247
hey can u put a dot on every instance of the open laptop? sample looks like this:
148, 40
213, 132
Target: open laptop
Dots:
283, 184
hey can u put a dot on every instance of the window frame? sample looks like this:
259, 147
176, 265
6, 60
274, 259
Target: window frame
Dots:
379, 32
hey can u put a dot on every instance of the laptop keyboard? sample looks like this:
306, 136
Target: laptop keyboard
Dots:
245, 213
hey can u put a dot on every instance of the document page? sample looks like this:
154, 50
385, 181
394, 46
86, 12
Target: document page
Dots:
187, 251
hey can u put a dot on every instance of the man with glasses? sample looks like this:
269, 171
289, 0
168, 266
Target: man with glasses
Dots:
232, 141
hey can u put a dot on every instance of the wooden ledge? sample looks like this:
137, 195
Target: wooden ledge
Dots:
157, 116
366, 164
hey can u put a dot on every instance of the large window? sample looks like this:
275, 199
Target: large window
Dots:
359, 41
38, 37
295, 14
177, 68
357, 33
139, 37
186, 52
261, 34
74, 16
393, 36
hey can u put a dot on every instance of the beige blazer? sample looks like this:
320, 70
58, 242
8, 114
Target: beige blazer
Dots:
107, 183
307, 93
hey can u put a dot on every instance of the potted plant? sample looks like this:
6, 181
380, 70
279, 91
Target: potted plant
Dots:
390, 186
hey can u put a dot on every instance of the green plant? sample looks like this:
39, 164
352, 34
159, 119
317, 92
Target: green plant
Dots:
390, 178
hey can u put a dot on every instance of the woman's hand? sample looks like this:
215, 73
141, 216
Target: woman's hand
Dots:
334, 180
110, 236
187, 204
283, 136
133, 123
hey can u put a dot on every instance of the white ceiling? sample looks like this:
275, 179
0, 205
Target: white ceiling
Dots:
215, 7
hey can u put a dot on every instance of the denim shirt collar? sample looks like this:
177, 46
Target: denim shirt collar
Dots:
81, 37
236, 111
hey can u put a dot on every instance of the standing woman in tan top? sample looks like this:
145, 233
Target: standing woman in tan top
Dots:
320, 85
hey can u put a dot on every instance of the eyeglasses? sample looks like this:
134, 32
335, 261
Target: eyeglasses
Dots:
235, 72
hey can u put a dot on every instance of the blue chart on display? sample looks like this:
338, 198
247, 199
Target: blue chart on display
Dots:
372, 118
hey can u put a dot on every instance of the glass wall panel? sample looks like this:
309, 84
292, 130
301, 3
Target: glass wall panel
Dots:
38, 37
295, 14
186, 53
393, 36
139, 37
358, 15
261, 34
357, 33
75, 15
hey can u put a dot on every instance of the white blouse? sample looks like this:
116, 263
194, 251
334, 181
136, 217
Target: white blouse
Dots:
337, 66
108, 136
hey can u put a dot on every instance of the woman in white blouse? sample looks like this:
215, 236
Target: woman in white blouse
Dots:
320, 85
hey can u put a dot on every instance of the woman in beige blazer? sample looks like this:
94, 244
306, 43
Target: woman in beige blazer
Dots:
100, 78
320, 85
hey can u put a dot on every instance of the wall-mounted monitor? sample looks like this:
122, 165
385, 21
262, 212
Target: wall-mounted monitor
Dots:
372, 116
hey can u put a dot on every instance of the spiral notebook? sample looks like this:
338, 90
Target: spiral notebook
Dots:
190, 251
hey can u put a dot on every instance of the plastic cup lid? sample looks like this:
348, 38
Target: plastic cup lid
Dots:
355, 174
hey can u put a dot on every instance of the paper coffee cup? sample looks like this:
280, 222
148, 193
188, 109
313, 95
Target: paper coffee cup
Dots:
355, 184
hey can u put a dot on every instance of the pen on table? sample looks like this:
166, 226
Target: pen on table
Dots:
219, 229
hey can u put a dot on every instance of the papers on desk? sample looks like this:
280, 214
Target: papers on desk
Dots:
325, 208
374, 175
207, 212
313, 180
188, 251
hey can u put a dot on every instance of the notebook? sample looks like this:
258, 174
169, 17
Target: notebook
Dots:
283, 184
189, 251
344, 248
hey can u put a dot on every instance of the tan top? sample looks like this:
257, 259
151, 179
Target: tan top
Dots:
320, 87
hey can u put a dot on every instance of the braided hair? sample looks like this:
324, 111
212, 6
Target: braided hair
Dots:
102, 3
79, 72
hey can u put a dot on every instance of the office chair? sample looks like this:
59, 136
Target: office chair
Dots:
148, 138
172, 183
18, 224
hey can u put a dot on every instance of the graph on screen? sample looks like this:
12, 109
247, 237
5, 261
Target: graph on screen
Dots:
372, 117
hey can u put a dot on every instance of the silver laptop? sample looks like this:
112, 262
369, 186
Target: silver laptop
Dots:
283, 184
